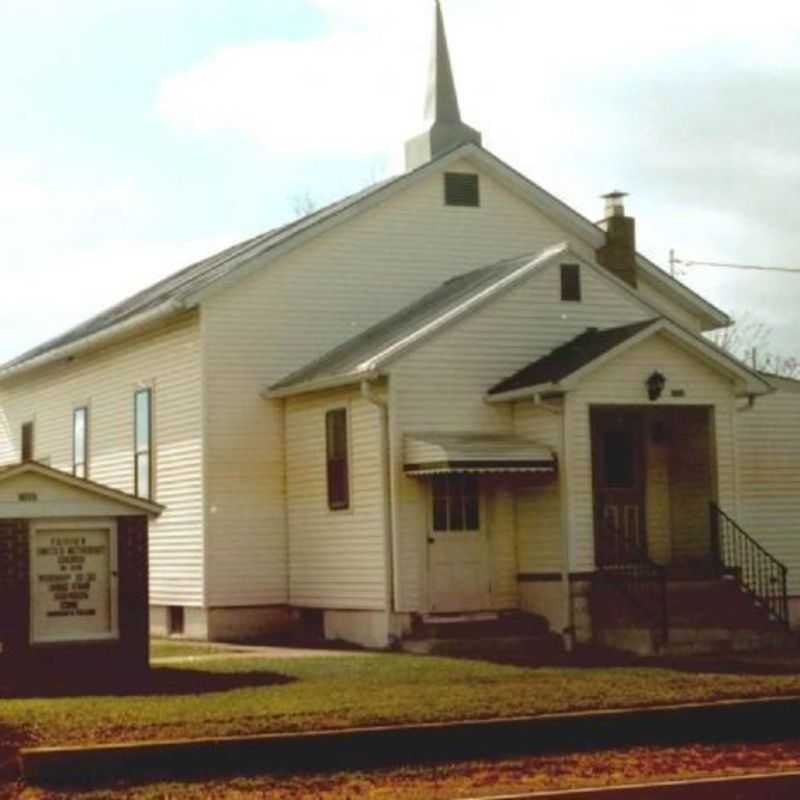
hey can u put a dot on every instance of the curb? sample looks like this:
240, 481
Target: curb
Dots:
767, 786
732, 720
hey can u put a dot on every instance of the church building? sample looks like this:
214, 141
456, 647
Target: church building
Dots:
448, 399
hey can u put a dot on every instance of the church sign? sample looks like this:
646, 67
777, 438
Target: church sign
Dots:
73, 583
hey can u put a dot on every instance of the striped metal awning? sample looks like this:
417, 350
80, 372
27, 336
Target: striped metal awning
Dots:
441, 453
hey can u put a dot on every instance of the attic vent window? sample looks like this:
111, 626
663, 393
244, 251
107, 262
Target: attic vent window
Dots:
461, 189
570, 283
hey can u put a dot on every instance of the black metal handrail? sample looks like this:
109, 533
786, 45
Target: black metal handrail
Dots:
623, 563
756, 570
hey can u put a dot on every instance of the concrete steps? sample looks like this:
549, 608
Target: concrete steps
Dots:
496, 635
706, 616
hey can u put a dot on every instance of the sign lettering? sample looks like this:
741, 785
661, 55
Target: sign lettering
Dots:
71, 585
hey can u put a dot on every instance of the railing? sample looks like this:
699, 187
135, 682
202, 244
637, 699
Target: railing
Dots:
623, 563
757, 571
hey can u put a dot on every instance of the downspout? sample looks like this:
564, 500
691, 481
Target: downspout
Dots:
382, 404
568, 634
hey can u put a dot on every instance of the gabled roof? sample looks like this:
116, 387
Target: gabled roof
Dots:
10, 471
563, 368
570, 357
182, 285
185, 289
367, 353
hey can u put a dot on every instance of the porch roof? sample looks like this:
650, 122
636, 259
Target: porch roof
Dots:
570, 357
438, 453
564, 367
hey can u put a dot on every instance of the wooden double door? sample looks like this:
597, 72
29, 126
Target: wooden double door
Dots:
618, 462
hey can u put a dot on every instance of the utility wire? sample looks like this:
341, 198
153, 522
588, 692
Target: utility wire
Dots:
674, 261
738, 266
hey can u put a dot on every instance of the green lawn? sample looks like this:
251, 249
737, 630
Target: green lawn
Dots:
161, 648
247, 696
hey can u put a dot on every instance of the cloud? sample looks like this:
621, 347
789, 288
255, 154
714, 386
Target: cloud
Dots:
63, 257
336, 94
691, 106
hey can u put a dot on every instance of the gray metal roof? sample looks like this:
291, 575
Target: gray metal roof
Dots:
186, 283
367, 350
196, 277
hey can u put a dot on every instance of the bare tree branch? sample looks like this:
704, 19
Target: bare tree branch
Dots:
303, 204
749, 340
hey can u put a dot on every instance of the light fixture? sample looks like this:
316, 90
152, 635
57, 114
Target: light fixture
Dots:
655, 386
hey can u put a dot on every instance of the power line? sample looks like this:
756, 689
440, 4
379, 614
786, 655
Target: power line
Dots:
674, 261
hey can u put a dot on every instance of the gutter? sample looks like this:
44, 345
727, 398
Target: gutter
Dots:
525, 393
319, 384
389, 548
94, 340
568, 633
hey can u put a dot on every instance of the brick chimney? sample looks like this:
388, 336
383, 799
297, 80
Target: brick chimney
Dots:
618, 254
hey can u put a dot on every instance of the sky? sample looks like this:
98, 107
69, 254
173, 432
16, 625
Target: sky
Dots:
137, 136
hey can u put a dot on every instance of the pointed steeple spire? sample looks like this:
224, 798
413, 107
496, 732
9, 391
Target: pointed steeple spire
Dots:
442, 101
442, 114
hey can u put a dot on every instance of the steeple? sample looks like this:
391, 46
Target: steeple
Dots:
445, 130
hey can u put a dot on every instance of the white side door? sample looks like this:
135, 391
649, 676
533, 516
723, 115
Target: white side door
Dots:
458, 547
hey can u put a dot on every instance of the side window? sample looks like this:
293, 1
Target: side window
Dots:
27, 441
456, 503
143, 443
337, 459
571, 283
80, 442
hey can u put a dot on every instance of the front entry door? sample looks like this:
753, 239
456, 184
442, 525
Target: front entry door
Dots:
458, 552
619, 485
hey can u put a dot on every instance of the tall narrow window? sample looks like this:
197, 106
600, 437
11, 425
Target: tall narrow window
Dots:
80, 442
571, 283
337, 458
27, 441
143, 436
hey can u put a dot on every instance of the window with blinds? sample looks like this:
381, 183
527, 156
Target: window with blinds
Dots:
26, 436
337, 459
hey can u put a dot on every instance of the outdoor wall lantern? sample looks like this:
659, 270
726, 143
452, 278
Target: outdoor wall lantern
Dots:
655, 386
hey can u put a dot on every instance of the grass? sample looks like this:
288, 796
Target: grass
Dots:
247, 696
161, 648
469, 779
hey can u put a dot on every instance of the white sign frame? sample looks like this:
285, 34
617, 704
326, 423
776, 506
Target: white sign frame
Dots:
108, 526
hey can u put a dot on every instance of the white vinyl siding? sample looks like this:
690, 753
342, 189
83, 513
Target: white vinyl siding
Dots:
622, 382
769, 474
105, 382
540, 544
298, 307
336, 558
441, 386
